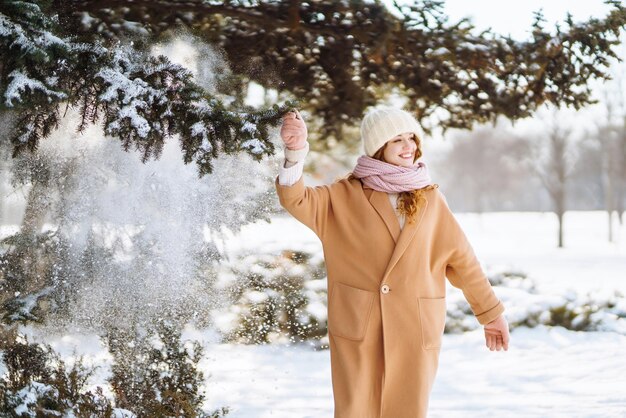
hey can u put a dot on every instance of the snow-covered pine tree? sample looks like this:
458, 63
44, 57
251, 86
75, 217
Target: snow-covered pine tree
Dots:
140, 98
39, 383
155, 374
277, 298
49, 72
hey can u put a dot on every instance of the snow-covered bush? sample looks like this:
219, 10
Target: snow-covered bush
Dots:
38, 383
276, 298
527, 306
591, 312
155, 374
42, 276
282, 298
27, 274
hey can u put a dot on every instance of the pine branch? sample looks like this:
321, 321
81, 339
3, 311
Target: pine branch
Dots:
336, 58
143, 99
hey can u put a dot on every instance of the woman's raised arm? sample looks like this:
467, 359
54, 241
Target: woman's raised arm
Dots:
309, 205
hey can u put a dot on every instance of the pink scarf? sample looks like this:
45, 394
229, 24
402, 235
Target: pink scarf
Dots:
391, 178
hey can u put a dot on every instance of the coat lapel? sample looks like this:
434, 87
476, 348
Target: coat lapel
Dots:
380, 202
407, 234
402, 237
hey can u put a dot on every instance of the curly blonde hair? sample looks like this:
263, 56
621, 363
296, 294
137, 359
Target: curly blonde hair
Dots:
409, 202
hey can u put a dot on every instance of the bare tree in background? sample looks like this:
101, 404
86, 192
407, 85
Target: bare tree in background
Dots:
483, 171
621, 201
610, 141
610, 132
616, 152
619, 173
552, 158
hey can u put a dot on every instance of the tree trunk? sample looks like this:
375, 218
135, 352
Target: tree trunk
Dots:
621, 198
27, 252
608, 191
620, 171
560, 217
37, 206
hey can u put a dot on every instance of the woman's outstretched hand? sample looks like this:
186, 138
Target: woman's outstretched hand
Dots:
293, 132
497, 334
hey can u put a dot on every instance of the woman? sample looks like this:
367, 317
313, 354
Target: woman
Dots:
386, 267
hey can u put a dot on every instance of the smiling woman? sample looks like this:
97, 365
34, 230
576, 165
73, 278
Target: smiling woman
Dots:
386, 278
404, 150
400, 150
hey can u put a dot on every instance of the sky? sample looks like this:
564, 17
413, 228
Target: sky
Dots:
515, 17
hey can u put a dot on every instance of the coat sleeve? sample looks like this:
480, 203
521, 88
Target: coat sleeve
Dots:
463, 270
309, 205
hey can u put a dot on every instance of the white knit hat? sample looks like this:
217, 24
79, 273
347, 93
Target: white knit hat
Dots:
382, 124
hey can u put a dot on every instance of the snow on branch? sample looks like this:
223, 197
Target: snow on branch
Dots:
21, 83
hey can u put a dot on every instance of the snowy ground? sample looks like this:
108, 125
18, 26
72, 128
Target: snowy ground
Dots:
547, 372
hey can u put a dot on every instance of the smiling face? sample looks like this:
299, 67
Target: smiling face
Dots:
400, 150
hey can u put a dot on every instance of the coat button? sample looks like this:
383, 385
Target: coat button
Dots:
385, 288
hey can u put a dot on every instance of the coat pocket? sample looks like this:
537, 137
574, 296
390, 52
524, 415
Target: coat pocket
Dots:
432, 321
349, 310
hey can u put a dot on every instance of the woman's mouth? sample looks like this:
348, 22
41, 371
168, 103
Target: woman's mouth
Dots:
406, 155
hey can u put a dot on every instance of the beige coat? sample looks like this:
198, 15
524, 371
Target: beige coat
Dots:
386, 293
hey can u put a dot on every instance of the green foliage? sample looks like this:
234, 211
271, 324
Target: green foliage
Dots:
27, 275
570, 310
25, 363
140, 99
336, 58
272, 296
572, 317
41, 384
575, 313
341, 57
42, 274
155, 374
